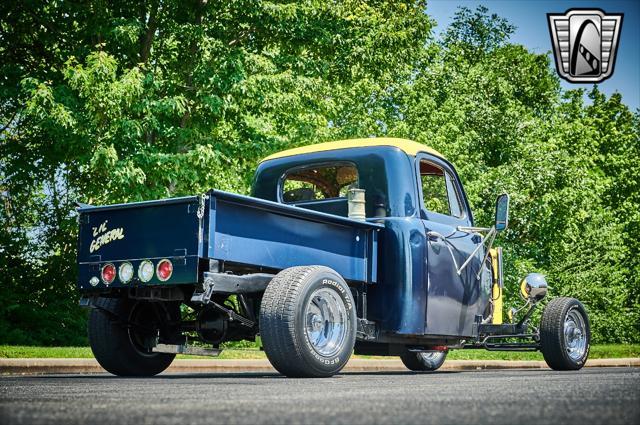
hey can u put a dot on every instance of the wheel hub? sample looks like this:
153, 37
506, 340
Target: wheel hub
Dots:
145, 326
431, 356
326, 320
574, 335
316, 323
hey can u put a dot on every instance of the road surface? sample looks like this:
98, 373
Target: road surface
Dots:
592, 395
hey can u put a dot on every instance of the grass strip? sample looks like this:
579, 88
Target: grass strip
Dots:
597, 352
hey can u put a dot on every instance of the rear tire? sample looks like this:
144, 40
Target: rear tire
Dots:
118, 347
565, 334
308, 322
423, 362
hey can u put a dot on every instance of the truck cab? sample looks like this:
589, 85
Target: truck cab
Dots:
411, 190
365, 245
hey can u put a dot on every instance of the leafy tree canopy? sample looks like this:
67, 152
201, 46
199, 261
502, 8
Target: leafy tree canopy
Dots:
105, 102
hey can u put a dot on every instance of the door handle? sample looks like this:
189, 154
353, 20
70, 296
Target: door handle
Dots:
434, 236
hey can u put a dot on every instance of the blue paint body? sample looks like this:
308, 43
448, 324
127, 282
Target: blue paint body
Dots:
234, 228
253, 231
152, 230
418, 290
412, 285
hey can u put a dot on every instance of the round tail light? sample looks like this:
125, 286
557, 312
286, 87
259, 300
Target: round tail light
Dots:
108, 273
145, 271
164, 270
125, 272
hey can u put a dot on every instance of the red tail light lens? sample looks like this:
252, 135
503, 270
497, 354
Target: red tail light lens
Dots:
164, 270
108, 273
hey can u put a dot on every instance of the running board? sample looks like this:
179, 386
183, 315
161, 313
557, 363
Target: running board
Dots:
186, 349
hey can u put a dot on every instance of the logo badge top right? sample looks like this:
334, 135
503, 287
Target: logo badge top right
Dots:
585, 42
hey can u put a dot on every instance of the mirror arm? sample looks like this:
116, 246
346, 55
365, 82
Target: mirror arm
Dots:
486, 255
471, 229
491, 234
436, 235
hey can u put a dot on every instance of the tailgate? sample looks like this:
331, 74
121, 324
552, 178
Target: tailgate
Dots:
140, 231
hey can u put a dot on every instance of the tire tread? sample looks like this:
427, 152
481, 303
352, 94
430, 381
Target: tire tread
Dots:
552, 333
110, 343
278, 322
412, 362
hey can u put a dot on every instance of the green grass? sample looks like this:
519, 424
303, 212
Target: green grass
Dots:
21, 351
597, 352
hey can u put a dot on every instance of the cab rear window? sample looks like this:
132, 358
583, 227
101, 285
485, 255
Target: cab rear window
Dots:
315, 183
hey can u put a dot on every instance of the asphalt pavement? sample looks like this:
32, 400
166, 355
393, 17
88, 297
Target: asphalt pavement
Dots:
593, 395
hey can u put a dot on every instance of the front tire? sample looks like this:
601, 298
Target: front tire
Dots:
423, 362
308, 322
565, 334
120, 329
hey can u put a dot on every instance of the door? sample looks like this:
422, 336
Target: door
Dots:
453, 300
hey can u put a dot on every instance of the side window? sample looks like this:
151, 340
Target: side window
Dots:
454, 200
434, 188
438, 190
318, 183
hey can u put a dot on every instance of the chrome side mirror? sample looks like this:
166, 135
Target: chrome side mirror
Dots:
502, 212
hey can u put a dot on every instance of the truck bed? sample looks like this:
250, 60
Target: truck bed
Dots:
222, 226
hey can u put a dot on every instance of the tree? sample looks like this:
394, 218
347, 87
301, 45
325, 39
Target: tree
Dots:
571, 168
125, 101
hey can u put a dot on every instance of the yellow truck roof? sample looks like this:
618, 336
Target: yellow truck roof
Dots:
408, 146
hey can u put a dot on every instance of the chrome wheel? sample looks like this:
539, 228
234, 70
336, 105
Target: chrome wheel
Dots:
424, 361
326, 322
575, 334
565, 334
308, 322
431, 357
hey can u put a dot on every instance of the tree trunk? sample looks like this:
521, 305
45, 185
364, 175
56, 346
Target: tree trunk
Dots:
146, 39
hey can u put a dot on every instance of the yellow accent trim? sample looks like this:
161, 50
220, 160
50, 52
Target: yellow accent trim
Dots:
408, 146
523, 289
496, 292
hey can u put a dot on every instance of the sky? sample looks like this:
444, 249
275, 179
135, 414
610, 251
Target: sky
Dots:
530, 18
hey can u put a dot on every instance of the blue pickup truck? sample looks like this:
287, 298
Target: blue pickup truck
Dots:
365, 246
